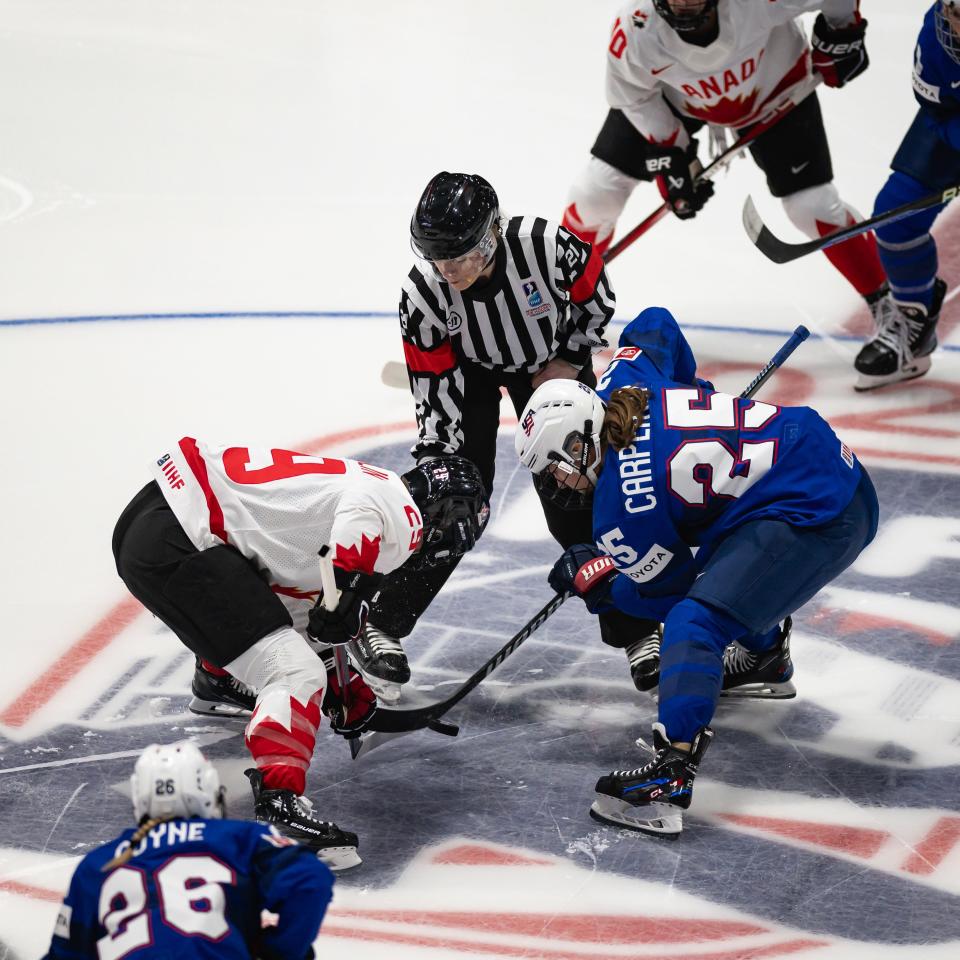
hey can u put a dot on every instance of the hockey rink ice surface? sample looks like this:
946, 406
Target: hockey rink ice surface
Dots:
203, 216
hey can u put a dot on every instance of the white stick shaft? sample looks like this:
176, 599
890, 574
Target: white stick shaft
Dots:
331, 597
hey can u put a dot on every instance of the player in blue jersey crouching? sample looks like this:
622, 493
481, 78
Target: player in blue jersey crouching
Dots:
773, 503
187, 883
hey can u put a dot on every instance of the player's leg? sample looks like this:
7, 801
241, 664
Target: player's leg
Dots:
638, 638
406, 593
795, 156
222, 609
906, 336
603, 186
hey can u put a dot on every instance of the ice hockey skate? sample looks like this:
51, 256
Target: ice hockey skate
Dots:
644, 658
762, 676
220, 696
652, 798
381, 660
906, 335
293, 816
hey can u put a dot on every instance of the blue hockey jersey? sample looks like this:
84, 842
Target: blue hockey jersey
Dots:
701, 464
194, 890
936, 83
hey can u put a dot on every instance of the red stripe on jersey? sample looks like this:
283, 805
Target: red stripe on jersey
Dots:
795, 74
196, 463
362, 559
585, 286
439, 360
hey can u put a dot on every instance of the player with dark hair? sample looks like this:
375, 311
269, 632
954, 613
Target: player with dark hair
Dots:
185, 882
494, 302
775, 505
675, 65
927, 160
222, 547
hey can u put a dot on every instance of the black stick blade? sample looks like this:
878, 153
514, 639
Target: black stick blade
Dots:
772, 247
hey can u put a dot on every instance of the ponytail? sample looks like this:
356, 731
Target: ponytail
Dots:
121, 858
626, 409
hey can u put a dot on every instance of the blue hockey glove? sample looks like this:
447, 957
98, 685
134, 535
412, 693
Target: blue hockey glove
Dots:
585, 571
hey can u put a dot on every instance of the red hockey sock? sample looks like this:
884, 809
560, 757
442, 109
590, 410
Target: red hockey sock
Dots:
571, 221
857, 259
282, 746
212, 668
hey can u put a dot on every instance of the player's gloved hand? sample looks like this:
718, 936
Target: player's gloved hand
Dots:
676, 170
345, 623
350, 721
585, 571
839, 52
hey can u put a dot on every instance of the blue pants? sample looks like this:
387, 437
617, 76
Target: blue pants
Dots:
923, 164
761, 573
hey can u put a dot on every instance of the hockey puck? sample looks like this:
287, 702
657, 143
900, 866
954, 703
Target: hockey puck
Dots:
441, 726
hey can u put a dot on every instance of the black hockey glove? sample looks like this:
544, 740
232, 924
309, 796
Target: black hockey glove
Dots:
839, 52
585, 571
352, 721
676, 170
345, 623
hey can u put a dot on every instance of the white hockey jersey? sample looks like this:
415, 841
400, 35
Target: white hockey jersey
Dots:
761, 50
278, 507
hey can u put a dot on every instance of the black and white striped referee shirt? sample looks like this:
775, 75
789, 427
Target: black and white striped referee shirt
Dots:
549, 296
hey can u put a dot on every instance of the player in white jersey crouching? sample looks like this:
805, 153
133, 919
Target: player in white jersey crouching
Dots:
222, 547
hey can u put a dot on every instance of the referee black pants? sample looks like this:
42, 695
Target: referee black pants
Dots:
406, 594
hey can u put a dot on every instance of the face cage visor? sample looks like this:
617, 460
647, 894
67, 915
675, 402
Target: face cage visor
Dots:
688, 19
572, 459
946, 21
468, 264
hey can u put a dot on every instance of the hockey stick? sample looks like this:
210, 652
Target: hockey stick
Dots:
331, 596
394, 374
387, 724
791, 99
775, 249
794, 341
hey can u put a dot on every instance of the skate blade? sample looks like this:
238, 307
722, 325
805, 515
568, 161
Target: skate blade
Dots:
917, 368
385, 690
654, 819
339, 858
762, 691
216, 708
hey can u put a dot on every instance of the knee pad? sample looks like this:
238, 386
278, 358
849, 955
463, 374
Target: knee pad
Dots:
222, 595
280, 666
596, 200
818, 205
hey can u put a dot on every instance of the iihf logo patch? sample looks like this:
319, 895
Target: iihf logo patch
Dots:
532, 294
527, 423
453, 321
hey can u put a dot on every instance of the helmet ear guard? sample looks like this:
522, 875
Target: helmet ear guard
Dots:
175, 780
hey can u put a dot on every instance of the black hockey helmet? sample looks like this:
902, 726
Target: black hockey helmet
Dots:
454, 505
455, 212
684, 22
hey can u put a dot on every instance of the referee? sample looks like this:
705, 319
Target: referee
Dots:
492, 302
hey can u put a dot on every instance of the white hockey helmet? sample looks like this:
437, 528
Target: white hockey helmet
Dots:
946, 20
175, 780
559, 429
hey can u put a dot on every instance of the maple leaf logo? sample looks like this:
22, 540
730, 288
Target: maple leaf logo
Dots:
360, 558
